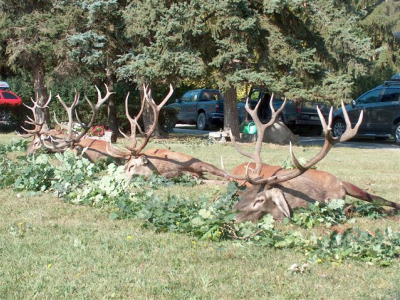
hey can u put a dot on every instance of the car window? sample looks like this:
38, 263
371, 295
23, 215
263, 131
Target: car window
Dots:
7, 95
209, 96
370, 97
206, 96
391, 94
186, 96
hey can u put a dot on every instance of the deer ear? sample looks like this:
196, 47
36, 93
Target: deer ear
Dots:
280, 201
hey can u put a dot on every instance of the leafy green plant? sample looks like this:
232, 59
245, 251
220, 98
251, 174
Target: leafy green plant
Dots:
197, 217
19, 145
72, 171
317, 214
34, 174
369, 210
8, 171
376, 247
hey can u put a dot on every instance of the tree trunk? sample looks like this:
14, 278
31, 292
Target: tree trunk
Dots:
231, 118
41, 95
112, 111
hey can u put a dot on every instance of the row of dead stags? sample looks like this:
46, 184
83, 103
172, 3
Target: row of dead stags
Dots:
268, 189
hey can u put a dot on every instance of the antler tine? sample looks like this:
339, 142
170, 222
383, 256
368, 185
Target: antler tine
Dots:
37, 123
349, 132
134, 149
238, 149
94, 107
171, 91
115, 152
131, 150
156, 112
260, 130
70, 111
134, 121
329, 142
235, 176
101, 100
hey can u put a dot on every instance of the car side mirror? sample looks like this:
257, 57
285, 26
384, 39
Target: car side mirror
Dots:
177, 100
353, 103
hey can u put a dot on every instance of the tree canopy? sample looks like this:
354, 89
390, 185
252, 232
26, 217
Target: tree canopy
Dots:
323, 50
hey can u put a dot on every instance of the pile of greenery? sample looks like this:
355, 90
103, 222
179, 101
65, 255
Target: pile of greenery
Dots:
76, 180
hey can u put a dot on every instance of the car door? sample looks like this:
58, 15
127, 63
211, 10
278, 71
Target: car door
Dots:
188, 105
383, 113
366, 103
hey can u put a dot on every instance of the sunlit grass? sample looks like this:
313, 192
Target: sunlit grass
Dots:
54, 250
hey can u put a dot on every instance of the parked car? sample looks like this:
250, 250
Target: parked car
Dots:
300, 118
381, 107
10, 98
7, 97
202, 107
10, 103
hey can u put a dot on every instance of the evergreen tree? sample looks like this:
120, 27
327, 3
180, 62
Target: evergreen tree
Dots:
381, 22
96, 41
161, 33
35, 33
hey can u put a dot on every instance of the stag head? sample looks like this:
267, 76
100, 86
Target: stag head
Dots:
257, 202
139, 165
266, 193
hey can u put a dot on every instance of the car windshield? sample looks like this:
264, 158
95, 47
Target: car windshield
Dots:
369, 97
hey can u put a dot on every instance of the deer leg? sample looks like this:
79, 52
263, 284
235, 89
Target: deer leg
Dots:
358, 193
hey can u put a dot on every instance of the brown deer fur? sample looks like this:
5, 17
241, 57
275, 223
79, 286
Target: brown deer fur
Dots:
311, 186
169, 164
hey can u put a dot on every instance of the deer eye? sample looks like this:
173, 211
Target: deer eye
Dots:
258, 202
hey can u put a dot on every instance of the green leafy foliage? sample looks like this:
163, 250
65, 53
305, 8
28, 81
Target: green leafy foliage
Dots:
35, 174
376, 247
316, 214
207, 217
71, 172
369, 210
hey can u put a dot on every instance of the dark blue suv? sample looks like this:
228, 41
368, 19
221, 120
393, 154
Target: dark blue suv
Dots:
381, 107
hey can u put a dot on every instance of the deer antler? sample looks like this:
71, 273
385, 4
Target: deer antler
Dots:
135, 150
329, 142
260, 136
38, 124
70, 140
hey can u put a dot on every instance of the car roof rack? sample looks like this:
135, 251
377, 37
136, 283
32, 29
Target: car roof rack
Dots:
392, 82
4, 85
395, 77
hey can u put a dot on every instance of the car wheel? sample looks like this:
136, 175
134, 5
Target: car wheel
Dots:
339, 127
397, 134
202, 121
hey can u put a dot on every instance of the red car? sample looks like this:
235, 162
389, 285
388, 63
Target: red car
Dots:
8, 97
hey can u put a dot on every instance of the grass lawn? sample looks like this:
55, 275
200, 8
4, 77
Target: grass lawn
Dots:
50, 249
